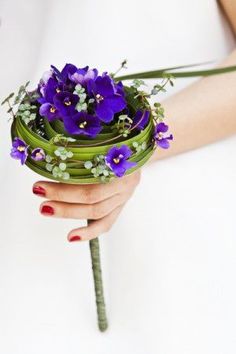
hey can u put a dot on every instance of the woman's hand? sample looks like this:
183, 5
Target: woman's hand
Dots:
100, 203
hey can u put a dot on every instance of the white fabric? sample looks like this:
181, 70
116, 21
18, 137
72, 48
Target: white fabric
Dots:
169, 261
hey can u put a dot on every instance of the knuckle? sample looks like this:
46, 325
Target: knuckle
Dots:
56, 193
88, 196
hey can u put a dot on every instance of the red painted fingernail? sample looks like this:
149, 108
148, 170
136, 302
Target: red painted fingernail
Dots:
47, 210
75, 238
39, 190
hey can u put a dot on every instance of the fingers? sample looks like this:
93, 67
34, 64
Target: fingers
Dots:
86, 194
81, 211
95, 228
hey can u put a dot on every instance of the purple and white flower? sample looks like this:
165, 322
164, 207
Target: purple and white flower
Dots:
66, 102
83, 124
117, 160
38, 154
19, 150
107, 99
83, 75
161, 139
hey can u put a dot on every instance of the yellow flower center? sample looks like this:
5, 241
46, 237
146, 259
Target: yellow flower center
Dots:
99, 98
116, 160
83, 125
38, 154
21, 148
160, 135
67, 103
58, 90
52, 109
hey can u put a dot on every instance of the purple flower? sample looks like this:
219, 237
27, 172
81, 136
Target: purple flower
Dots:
66, 72
65, 102
19, 150
49, 90
83, 75
117, 159
120, 88
160, 138
107, 100
83, 124
49, 110
38, 154
141, 119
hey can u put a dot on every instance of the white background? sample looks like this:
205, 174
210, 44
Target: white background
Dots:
169, 262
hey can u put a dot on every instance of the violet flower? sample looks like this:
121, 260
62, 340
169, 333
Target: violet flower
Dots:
63, 76
49, 90
117, 160
83, 124
160, 138
83, 75
141, 119
107, 100
65, 102
38, 154
50, 111
19, 150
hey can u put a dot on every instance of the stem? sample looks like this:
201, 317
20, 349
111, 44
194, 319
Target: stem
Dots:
98, 284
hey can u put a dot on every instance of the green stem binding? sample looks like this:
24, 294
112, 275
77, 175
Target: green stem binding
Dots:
98, 284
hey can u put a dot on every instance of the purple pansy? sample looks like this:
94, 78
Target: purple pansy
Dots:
83, 75
83, 124
38, 154
19, 150
49, 110
141, 119
107, 100
117, 160
65, 102
160, 138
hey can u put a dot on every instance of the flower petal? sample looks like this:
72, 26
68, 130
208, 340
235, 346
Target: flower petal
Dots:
104, 112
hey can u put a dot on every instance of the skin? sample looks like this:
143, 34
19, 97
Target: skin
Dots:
200, 114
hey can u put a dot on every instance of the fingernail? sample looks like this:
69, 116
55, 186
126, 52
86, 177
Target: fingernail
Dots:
47, 210
39, 190
74, 238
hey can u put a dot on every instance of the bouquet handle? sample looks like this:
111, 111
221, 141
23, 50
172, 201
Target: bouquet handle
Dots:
98, 284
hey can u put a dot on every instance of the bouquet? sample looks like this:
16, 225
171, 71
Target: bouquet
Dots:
83, 127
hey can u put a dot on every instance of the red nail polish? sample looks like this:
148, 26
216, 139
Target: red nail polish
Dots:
75, 238
47, 210
39, 190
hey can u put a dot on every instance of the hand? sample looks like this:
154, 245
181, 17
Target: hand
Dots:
100, 203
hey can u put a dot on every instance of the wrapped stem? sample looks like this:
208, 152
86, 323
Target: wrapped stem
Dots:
98, 284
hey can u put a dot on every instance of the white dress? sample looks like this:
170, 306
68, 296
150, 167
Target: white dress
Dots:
169, 262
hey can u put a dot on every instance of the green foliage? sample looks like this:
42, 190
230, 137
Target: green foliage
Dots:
7, 99
139, 147
62, 153
123, 125
61, 140
27, 112
99, 168
158, 112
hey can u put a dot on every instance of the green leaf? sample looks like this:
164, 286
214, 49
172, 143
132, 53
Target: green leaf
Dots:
176, 74
7, 98
88, 165
49, 167
62, 166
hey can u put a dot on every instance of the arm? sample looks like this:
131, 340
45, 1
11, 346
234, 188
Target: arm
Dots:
202, 113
